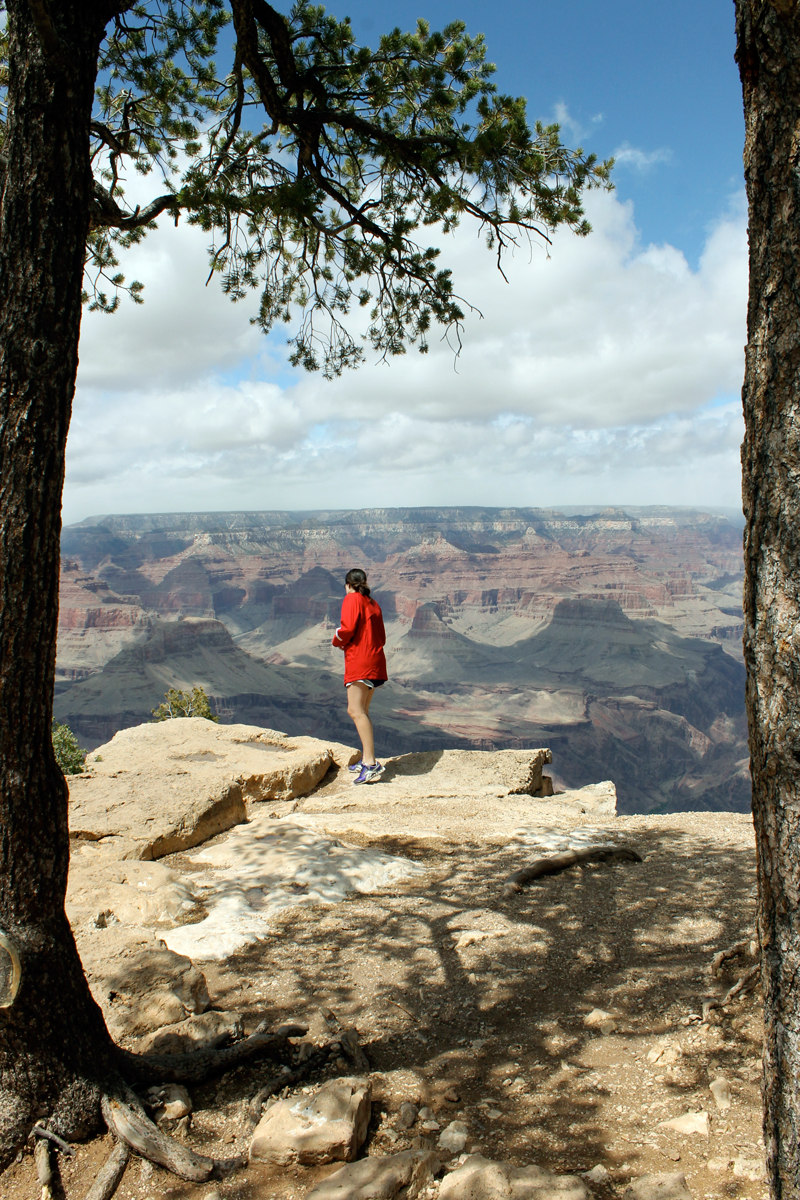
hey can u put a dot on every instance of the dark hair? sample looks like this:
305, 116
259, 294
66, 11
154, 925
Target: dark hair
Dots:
357, 579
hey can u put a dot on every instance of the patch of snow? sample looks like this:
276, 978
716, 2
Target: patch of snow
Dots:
265, 866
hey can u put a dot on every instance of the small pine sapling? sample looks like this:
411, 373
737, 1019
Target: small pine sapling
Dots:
69, 755
178, 703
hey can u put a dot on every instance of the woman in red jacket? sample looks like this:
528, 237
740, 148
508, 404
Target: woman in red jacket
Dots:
362, 637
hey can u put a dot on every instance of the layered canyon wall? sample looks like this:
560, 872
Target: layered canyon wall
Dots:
613, 637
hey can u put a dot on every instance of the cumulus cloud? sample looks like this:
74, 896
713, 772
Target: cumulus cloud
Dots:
603, 371
640, 160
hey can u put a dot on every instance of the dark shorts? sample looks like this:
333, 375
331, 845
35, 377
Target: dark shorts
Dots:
371, 683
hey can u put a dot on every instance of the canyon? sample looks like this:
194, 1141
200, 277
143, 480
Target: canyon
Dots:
613, 636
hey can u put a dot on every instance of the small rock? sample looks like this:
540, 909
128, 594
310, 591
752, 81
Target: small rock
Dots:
599, 1019
454, 1137
752, 1169
406, 1116
433, 1126
452, 1096
690, 1122
169, 1102
182, 1127
719, 1164
426, 1114
598, 1174
668, 1186
212, 1195
721, 1091
479, 1178
665, 1054
229, 1138
380, 1178
494, 1113
329, 1126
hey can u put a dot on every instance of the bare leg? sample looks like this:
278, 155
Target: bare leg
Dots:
359, 698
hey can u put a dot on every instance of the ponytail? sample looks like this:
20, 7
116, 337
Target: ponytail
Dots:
357, 580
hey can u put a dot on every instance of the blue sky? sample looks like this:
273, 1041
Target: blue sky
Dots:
659, 77
608, 373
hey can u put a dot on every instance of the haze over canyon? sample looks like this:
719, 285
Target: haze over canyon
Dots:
612, 637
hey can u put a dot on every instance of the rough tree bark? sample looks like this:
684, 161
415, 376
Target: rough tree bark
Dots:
768, 54
54, 1047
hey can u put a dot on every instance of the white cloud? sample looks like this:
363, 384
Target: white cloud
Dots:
569, 125
640, 160
603, 373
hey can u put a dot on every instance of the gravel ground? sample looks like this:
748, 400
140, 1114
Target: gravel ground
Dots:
476, 1005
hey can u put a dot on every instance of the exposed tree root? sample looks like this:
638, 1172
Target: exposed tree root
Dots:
197, 1065
41, 1132
129, 1123
553, 864
746, 983
744, 949
110, 1175
135, 1133
351, 1047
47, 1170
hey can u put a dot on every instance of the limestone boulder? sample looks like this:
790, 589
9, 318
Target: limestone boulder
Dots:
479, 1178
327, 1126
167, 786
139, 984
380, 1178
600, 799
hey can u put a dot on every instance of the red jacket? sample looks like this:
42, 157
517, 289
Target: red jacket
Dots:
362, 637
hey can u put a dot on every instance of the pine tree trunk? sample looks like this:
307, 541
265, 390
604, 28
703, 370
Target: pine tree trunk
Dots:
54, 1047
768, 54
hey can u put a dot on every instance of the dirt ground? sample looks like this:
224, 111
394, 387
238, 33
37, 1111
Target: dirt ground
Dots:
474, 1005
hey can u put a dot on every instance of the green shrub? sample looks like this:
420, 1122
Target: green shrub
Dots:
69, 756
184, 704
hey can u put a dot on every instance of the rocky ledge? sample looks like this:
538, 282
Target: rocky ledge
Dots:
568, 1040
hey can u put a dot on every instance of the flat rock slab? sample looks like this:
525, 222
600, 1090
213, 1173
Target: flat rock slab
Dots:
328, 1126
671, 1185
479, 1178
380, 1178
435, 773
139, 984
167, 786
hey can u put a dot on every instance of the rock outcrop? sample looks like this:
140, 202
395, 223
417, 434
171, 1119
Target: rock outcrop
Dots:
170, 785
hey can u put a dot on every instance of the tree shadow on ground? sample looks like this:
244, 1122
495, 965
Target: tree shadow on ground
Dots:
455, 989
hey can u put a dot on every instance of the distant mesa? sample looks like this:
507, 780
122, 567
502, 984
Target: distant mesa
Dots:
590, 611
428, 624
